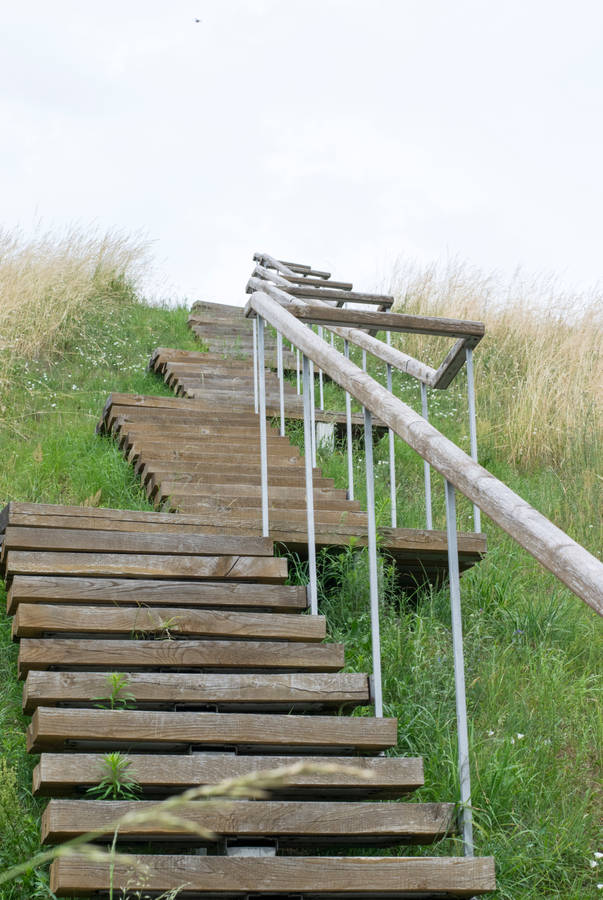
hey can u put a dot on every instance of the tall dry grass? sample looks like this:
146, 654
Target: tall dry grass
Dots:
51, 281
539, 367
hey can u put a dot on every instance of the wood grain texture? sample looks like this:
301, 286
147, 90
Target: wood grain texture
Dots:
44, 653
143, 592
52, 728
267, 570
161, 689
61, 774
383, 321
23, 538
32, 620
319, 876
291, 821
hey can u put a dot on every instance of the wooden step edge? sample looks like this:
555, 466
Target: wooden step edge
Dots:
262, 692
291, 822
319, 876
59, 774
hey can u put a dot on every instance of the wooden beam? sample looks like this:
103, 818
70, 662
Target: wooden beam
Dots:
126, 655
61, 774
292, 822
320, 877
384, 321
52, 728
261, 691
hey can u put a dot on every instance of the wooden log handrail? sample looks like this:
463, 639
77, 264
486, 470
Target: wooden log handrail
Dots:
571, 563
274, 281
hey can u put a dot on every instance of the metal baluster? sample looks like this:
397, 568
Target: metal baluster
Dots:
321, 392
392, 452
477, 518
297, 371
332, 339
372, 554
348, 427
459, 671
313, 405
255, 365
308, 444
364, 360
263, 440
426, 467
281, 380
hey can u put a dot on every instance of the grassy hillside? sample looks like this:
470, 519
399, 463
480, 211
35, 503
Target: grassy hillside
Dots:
533, 651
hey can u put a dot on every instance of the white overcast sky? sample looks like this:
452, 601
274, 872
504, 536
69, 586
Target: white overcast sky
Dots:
343, 134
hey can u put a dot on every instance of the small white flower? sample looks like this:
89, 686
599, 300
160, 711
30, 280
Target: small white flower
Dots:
598, 855
520, 736
593, 863
53, 404
490, 733
74, 387
600, 887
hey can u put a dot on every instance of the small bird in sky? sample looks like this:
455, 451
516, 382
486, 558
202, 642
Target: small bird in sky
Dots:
198, 20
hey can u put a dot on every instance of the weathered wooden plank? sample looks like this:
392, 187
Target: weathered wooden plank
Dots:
51, 728
235, 655
34, 619
140, 592
24, 538
282, 691
268, 570
386, 321
60, 774
292, 822
316, 876
238, 512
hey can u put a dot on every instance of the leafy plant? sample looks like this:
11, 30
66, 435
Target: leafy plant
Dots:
118, 697
116, 783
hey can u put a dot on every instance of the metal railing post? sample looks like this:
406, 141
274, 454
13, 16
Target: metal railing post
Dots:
372, 557
313, 411
263, 438
459, 671
392, 452
364, 360
308, 428
348, 427
297, 371
255, 365
426, 466
281, 380
321, 391
477, 517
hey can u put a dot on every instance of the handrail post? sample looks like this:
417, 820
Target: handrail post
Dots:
426, 466
392, 451
297, 371
255, 365
281, 380
263, 438
308, 427
313, 412
477, 518
372, 558
459, 671
348, 427
321, 391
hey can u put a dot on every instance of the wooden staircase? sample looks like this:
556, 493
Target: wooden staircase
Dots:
224, 678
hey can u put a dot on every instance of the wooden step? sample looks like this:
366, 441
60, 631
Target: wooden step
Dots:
268, 570
315, 877
139, 592
95, 540
32, 620
64, 774
51, 729
278, 656
248, 692
292, 822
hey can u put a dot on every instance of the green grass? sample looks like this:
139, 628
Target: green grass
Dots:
533, 651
